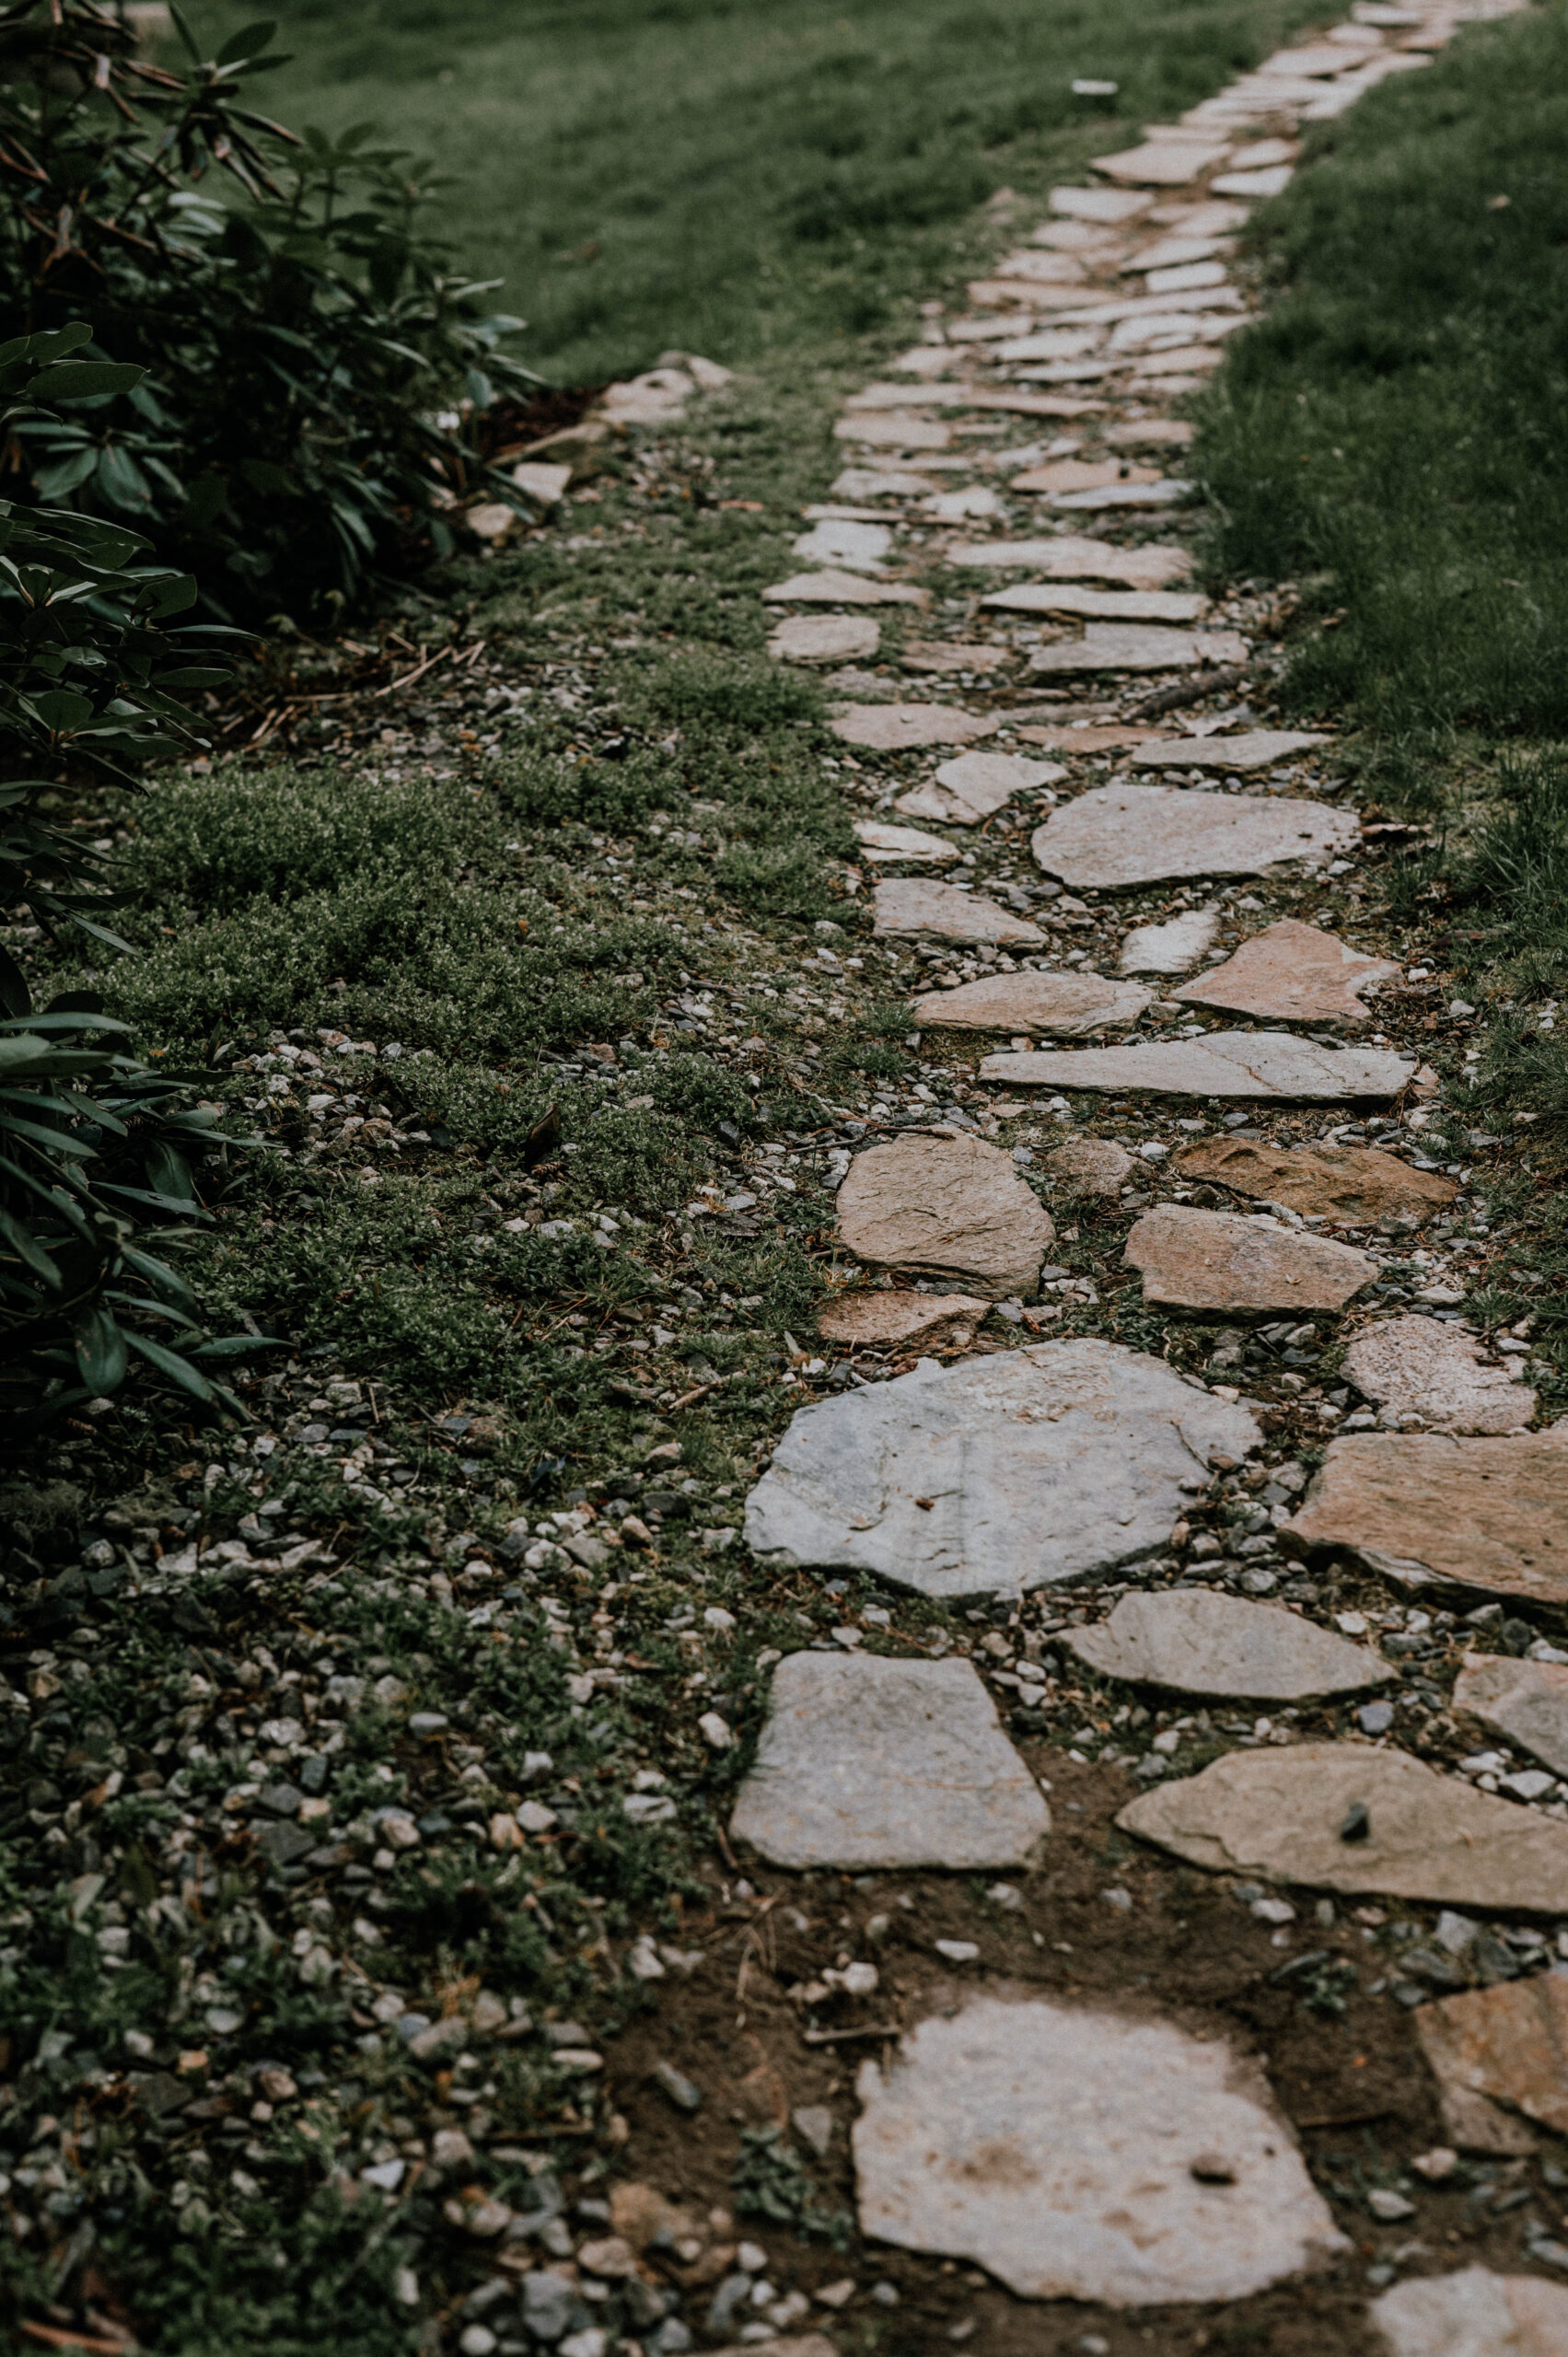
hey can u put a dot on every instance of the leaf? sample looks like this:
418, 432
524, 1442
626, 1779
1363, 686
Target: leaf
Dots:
163, 1281
60, 711
248, 43
101, 1350
75, 380
180, 1370
28, 1248
15, 996
168, 1173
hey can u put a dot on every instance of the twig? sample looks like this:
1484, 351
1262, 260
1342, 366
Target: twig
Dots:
418, 673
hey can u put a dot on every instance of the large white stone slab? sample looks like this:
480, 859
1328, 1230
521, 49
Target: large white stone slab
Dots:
996, 1476
908, 907
1067, 558
1085, 2155
867, 1762
1136, 646
1474, 2313
1172, 949
1066, 1003
1223, 1064
836, 540
1119, 835
1192, 1641
953, 1205
969, 788
1417, 1366
832, 587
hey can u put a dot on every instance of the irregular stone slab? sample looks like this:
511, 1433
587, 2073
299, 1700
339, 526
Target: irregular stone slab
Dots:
896, 727
1082, 474
1172, 949
1497, 2053
1474, 2313
823, 638
1089, 1165
909, 907
1134, 646
867, 1762
884, 482
1197, 1260
1225, 1064
1273, 180
949, 1204
1257, 749
894, 430
1162, 164
953, 655
1355, 1186
1112, 206
1279, 1815
836, 540
1086, 2156
1066, 1003
881, 1321
881, 842
1193, 1641
1088, 738
1068, 558
1489, 1514
970, 787
1118, 835
1004, 1474
830, 589
1526, 1701
1223, 645
1417, 1365
1113, 605
1293, 973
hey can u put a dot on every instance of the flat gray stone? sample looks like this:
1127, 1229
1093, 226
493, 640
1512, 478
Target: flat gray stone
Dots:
1418, 1367
1119, 835
837, 539
1100, 605
1291, 973
1085, 2156
908, 906
1069, 1004
1526, 1701
1134, 646
1426, 1508
1198, 1259
1088, 1166
823, 638
879, 842
867, 1762
900, 727
1191, 1641
1279, 1815
1067, 558
832, 587
1474, 2313
1255, 748
1225, 1064
971, 786
952, 1206
1172, 949
1000, 1475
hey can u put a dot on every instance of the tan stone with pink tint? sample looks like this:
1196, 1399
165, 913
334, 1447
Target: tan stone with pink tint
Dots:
884, 1320
1293, 973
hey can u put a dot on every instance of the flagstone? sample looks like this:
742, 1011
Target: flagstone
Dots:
1088, 1166
909, 905
1423, 1508
1102, 205
969, 788
1198, 1259
1172, 367
1354, 1186
867, 1762
1085, 2155
1502, 2050
1172, 949
952, 654
1051, 343
1124, 834
1293, 973
1109, 605
1233, 1065
895, 431
1418, 1366
838, 541
831, 589
1067, 558
879, 842
1347, 1817
1141, 495
959, 506
1068, 1005
1254, 749
952, 1205
1273, 180
1526, 1701
1132, 646
878, 482
1088, 738
1000, 1475
1163, 164
897, 727
1151, 432
881, 1321
1192, 1641
1474, 2313
823, 638
1082, 474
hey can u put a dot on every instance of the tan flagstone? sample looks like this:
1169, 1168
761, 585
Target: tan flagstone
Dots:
1526, 1701
1069, 558
1132, 646
1420, 1367
1124, 834
833, 588
1508, 2044
1088, 1166
1293, 973
883, 1320
1199, 1259
1192, 1641
1068, 1005
969, 788
1234, 1065
953, 1205
1108, 605
1167, 164
1474, 2313
879, 843
823, 638
898, 727
895, 430
909, 905
1254, 749
1354, 1186
1424, 1508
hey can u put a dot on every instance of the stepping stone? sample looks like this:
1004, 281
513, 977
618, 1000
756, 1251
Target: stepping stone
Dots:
1134, 646
1086, 737
953, 1205
1003, 1474
894, 430
1293, 973
1419, 1366
1224, 646
958, 506
1526, 1701
1173, 948
1290, 1816
1070, 559
952, 654
1082, 474
970, 787
1162, 164
897, 727
1055, 344
823, 638
1421, 1507
1499, 2053
1273, 180
1088, 1166
1225, 1063
1110, 205
881, 1321
1354, 1186
831, 589
1112, 605
1149, 433
836, 540
1119, 835
1085, 2156
1190, 1641
1258, 749
907, 906
878, 482
1067, 1004
1473, 2314
1197, 1260
879, 842
867, 1762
